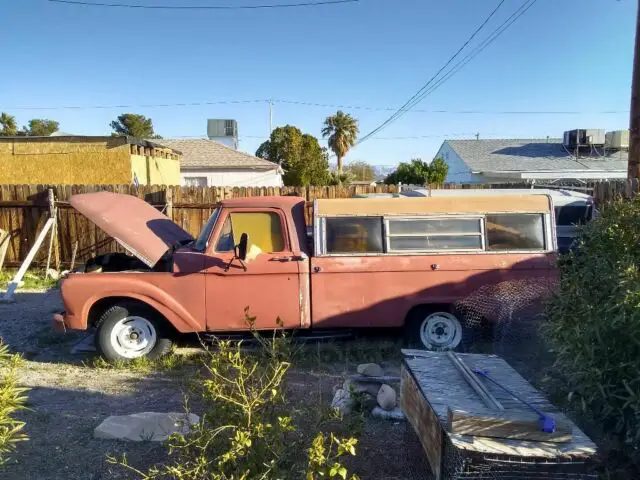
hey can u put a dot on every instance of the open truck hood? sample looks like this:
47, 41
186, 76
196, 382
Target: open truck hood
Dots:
132, 222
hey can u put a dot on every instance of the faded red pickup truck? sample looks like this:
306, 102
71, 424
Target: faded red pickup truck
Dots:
378, 262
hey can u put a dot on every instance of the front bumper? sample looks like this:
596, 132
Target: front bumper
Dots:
59, 324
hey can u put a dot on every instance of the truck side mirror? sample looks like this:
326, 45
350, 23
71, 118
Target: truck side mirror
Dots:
241, 251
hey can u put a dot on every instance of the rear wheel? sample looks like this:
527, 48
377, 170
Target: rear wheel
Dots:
434, 329
128, 331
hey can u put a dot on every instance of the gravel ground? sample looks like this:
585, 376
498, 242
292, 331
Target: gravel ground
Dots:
68, 399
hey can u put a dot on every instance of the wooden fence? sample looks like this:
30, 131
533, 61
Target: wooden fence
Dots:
25, 208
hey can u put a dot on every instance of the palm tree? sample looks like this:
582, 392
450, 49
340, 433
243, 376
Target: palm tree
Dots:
342, 130
8, 127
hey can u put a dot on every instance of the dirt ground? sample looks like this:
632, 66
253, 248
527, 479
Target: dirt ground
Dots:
69, 398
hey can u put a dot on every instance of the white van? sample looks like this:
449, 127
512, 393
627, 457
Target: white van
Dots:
571, 208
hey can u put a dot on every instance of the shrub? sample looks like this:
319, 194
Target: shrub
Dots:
594, 326
246, 431
12, 399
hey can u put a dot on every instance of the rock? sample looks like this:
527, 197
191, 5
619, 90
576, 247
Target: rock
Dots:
387, 397
394, 414
370, 370
53, 274
343, 401
361, 387
146, 426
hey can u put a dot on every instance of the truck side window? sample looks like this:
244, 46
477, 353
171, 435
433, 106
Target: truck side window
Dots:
225, 241
515, 231
354, 235
263, 228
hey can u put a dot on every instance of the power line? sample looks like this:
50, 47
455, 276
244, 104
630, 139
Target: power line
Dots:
205, 7
426, 89
477, 50
155, 105
320, 105
397, 113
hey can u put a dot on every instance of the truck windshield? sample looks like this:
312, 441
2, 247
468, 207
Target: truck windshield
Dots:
205, 233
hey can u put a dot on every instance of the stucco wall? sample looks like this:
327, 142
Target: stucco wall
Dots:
458, 172
80, 161
234, 178
155, 170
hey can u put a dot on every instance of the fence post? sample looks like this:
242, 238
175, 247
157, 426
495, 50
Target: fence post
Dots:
53, 213
168, 198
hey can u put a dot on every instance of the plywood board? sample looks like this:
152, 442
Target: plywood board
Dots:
423, 419
521, 426
434, 205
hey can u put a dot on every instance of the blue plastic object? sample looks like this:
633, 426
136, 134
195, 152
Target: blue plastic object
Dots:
546, 422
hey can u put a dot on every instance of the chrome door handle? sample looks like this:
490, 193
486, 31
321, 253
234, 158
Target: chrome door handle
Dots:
280, 259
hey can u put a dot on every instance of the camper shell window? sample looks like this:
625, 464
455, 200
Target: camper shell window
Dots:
435, 233
371, 235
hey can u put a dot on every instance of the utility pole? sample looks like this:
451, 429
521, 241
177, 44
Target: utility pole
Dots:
271, 116
633, 167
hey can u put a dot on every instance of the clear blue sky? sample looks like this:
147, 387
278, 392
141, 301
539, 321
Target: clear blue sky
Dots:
570, 55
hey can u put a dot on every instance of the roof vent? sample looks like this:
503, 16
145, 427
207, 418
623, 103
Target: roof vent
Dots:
617, 139
583, 137
223, 131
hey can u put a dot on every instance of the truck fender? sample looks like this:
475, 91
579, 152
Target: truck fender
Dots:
181, 320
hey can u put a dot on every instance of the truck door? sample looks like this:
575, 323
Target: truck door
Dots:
269, 287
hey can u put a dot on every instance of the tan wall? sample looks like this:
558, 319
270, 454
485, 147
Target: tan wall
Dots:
73, 162
155, 170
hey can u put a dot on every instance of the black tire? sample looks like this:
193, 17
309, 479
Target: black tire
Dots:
114, 315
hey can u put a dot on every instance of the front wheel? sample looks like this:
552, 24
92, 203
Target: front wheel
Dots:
436, 330
126, 332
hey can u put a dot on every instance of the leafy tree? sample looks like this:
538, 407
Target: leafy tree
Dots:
8, 126
361, 170
418, 172
342, 130
134, 125
438, 170
40, 127
299, 154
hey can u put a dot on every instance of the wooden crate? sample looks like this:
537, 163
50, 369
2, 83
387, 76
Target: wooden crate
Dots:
431, 386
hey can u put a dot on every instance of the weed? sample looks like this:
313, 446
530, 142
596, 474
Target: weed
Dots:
144, 365
246, 430
12, 400
33, 280
347, 353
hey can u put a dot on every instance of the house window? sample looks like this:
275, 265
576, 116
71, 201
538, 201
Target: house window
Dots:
515, 231
264, 230
354, 235
434, 234
195, 181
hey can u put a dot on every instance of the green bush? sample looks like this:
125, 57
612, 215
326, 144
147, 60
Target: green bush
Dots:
12, 399
246, 430
594, 327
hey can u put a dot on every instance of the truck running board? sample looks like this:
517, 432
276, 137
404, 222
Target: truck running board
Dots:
300, 336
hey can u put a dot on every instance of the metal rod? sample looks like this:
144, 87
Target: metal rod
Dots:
486, 396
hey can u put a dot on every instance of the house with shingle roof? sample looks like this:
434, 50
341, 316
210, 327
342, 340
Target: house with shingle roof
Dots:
205, 162
528, 160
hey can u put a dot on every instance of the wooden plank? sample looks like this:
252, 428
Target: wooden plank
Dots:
423, 419
520, 426
11, 288
4, 245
